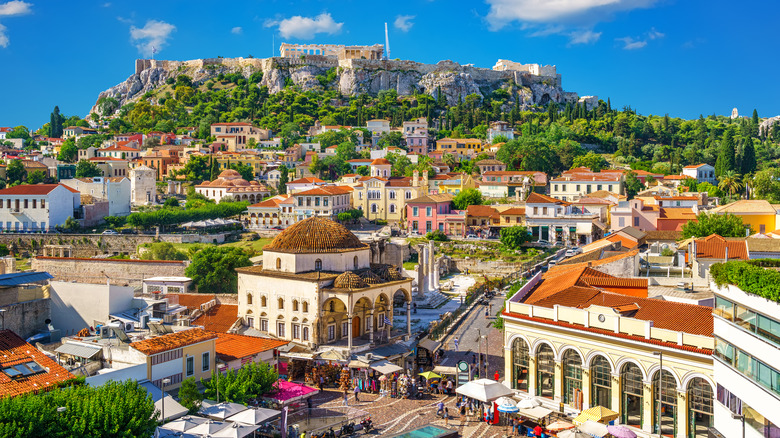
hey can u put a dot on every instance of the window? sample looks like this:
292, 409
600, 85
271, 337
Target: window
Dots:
544, 211
35, 204
278, 263
25, 203
601, 386
621, 222
578, 187
281, 303
263, 301
355, 262
609, 187
408, 194
392, 208
249, 299
264, 325
572, 376
305, 334
316, 201
428, 226
295, 305
636, 221
536, 211
598, 187
344, 329
556, 188
415, 211
305, 307
520, 359
428, 211
331, 332
206, 361
280, 329
325, 202
392, 194
190, 365
318, 265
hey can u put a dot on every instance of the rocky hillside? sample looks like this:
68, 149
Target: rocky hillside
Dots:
350, 76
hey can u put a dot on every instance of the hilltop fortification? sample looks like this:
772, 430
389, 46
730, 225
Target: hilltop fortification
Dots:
358, 69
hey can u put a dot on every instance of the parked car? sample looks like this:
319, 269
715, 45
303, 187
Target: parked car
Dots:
570, 253
542, 243
552, 263
472, 236
109, 232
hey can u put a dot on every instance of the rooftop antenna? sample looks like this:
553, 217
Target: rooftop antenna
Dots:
387, 44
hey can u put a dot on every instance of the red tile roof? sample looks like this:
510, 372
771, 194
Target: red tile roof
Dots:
307, 180
538, 198
33, 189
192, 301
172, 341
695, 166
325, 191
15, 351
218, 318
231, 346
714, 247
481, 211
514, 211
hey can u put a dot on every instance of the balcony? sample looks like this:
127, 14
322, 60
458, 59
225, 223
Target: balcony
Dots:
16, 210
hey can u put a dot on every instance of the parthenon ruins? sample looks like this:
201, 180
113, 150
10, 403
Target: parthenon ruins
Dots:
333, 50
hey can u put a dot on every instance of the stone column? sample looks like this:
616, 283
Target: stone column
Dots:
509, 379
420, 272
682, 413
349, 335
615, 393
409, 319
586, 379
647, 406
431, 285
558, 387
423, 287
436, 283
370, 325
532, 376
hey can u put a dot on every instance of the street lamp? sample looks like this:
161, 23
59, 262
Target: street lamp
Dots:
740, 417
162, 397
660, 388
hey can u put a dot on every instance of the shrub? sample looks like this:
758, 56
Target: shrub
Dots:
750, 276
437, 235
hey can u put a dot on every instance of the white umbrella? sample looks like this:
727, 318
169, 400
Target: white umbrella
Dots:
528, 403
222, 410
507, 405
208, 428
237, 430
184, 424
573, 433
167, 433
254, 416
484, 390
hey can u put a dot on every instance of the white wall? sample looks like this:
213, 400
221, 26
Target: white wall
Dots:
117, 193
78, 305
133, 372
60, 203
336, 262
167, 369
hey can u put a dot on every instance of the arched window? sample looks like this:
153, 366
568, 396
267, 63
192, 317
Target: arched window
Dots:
355, 262
392, 208
278, 263
545, 372
305, 307
572, 377
295, 305
520, 356
631, 395
281, 303
373, 208
332, 307
408, 194
665, 392
601, 382
392, 194
699, 407
263, 301
318, 265
249, 299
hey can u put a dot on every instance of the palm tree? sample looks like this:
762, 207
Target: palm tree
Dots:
731, 182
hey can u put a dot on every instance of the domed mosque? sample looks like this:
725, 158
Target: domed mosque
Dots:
318, 287
230, 183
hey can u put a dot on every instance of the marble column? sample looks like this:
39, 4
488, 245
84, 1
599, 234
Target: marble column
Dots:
586, 380
647, 405
431, 286
436, 283
509, 379
349, 335
615, 393
409, 319
423, 287
682, 413
370, 325
558, 379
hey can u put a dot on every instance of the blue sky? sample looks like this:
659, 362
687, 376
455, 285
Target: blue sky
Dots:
682, 57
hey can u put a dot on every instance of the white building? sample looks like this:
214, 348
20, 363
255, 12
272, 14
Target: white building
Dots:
38, 207
75, 306
114, 190
582, 182
500, 129
702, 173
561, 222
230, 183
324, 201
143, 185
747, 360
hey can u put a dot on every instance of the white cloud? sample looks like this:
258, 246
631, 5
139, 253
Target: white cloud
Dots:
15, 8
154, 35
238, 30
305, 28
11, 9
583, 37
546, 31
654, 34
585, 12
631, 44
404, 22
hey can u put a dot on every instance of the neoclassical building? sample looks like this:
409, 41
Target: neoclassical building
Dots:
230, 183
382, 196
318, 287
578, 337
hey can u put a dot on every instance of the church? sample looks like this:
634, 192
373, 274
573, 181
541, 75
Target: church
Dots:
317, 287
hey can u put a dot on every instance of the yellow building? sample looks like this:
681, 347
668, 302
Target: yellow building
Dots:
758, 213
256, 162
464, 147
384, 197
178, 356
576, 338
456, 184
512, 217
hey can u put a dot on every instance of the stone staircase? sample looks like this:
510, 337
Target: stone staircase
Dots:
434, 301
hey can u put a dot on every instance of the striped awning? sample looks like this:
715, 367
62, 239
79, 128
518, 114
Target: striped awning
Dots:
78, 350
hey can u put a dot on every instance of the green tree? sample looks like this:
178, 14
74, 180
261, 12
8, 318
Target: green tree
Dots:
283, 179
748, 157
171, 202
197, 168
591, 160
68, 151
766, 184
238, 386
727, 155
115, 221
189, 396
36, 177
87, 169
346, 151
514, 237
316, 167
726, 225
163, 251
55, 123
71, 225
213, 269
633, 184
437, 236
712, 191
730, 182
462, 200
15, 173
244, 170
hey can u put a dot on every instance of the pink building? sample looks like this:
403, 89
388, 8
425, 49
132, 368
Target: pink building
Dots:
434, 212
650, 217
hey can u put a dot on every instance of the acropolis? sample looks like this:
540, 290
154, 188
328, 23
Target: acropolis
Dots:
332, 50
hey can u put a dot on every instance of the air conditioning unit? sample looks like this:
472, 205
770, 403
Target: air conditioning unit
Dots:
370, 356
128, 327
169, 318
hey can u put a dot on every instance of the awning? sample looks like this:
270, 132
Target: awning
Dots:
584, 228
536, 413
85, 351
429, 344
439, 369
385, 367
357, 364
600, 224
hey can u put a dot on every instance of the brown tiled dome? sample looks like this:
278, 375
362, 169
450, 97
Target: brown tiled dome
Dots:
315, 235
387, 272
229, 173
349, 280
371, 278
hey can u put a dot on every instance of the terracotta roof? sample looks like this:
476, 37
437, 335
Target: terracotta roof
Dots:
514, 211
763, 245
589, 176
307, 180
589, 200
110, 159
172, 341
33, 189
431, 199
676, 198
14, 351
399, 181
662, 235
218, 318
714, 247
269, 203
605, 193
746, 206
315, 235
192, 301
678, 214
381, 162
593, 258
538, 198
231, 346
676, 177
349, 280
488, 162
696, 166
232, 124
325, 191
481, 211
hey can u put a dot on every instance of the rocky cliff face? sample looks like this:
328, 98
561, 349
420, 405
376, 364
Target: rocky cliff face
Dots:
353, 76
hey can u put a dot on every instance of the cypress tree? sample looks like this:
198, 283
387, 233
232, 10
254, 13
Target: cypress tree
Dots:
748, 157
55, 123
609, 105
727, 155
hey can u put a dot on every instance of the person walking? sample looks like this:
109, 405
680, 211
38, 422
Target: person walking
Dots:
496, 376
446, 417
346, 395
462, 412
322, 382
440, 408
449, 387
456, 343
357, 391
